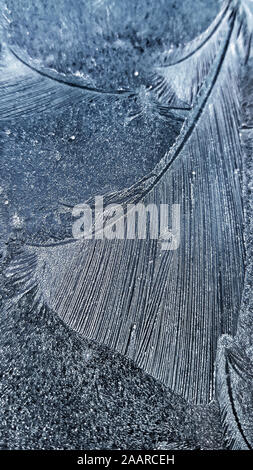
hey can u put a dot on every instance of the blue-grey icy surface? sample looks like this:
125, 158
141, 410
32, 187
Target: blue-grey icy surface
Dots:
58, 391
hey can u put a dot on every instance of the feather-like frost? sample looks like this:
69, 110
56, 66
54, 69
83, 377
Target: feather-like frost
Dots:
171, 85
234, 365
166, 309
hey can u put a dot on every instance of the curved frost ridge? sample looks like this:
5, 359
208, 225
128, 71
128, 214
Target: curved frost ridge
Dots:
234, 387
71, 80
25, 89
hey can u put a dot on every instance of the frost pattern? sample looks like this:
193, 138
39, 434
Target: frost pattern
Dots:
166, 310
